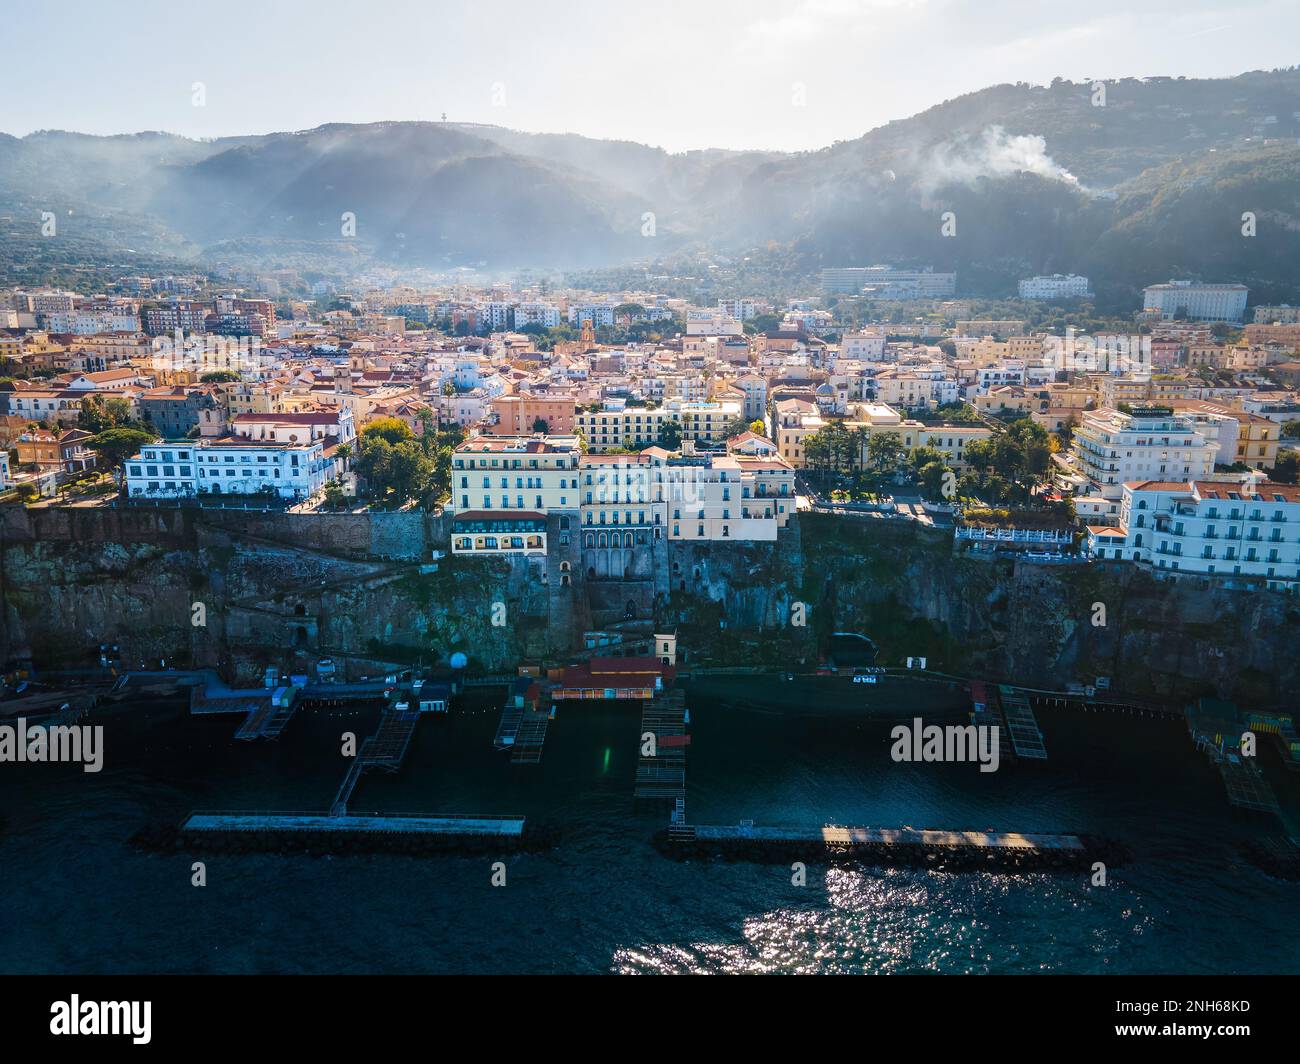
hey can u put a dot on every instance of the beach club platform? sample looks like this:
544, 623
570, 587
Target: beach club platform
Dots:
834, 836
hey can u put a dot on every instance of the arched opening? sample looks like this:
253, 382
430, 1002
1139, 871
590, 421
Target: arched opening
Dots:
630, 612
300, 610
300, 636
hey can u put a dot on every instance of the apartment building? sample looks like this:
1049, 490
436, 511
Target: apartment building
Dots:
1111, 448
619, 424
507, 473
1281, 315
793, 421
684, 497
518, 414
1254, 438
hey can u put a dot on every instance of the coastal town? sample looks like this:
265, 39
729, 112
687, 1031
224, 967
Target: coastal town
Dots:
1170, 441
788, 487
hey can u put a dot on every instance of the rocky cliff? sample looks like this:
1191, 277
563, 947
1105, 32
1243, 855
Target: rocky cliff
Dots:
240, 591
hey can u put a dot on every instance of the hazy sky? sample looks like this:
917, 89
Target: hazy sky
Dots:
786, 74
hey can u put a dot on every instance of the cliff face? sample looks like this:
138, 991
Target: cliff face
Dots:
1045, 626
366, 590
241, 591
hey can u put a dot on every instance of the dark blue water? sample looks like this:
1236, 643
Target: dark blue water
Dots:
602, 899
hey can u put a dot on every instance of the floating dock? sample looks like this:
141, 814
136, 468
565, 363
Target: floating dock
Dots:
986, 713
524, 721
384, 750
664, 775
530, 737
356, 824
1216, 729
1026, 739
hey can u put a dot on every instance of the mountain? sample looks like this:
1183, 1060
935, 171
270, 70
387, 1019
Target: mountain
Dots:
1141, 181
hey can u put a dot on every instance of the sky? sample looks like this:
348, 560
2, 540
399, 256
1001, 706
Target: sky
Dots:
682, 74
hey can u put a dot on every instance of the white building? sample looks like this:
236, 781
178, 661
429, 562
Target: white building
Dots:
1112, 448
1057, 286
740, 309
865, 346
1200, 302
92, 322
228, 466
1245, 531
885, 282
712, 323
596, 313
544, 314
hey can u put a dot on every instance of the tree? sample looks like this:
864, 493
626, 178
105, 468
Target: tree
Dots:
390, 429
670, 435
758, 427
931, 478
540, 425
99, 413
734, 426
922, 457
1287, 469
402, 468
115, 445
817, 452
885, 453
219, 376
333, 494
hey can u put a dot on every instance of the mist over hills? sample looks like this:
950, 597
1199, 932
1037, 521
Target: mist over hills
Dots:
1151, 184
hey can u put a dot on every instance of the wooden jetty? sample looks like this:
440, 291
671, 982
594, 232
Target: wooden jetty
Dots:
664, 775
501, 680
1026, 739
1092, 704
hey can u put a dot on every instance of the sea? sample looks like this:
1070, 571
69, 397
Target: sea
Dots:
598, 897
